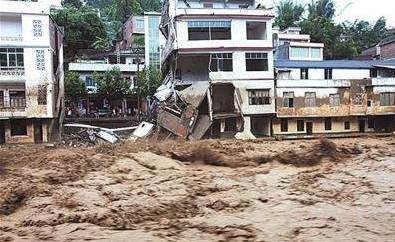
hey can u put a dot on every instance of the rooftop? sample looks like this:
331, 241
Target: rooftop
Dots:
336, 64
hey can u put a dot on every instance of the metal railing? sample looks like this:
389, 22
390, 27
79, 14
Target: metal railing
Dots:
12, 72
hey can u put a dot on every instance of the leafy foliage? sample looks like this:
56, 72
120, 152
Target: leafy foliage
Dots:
82, 27
74, 3
289, 14
148, 80
111, 85
74, 86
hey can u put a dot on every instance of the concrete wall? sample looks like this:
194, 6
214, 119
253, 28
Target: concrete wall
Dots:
29, 137
340, 74
387, 51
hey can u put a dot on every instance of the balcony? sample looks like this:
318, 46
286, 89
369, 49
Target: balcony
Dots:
223, 12
11, 38
12, 75
99, 67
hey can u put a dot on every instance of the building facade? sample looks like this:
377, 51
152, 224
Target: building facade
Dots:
31, 72
223, 52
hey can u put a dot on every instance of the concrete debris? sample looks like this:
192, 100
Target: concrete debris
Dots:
143, 130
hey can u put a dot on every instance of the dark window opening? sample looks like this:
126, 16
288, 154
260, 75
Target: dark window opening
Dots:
373, 72
369, 103
328, 124
230, 125
284, 125
221, 62
300, 125
334, 100
328, 74
288, 99
347, 125
371, 123
256, 30
259, 97
209, 30
1, 99
257, 62
18, 127
208, 5
304, 73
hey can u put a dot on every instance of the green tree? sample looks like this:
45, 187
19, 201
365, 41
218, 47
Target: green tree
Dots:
151, 5
82, 27
289, 14
148, 80
111, 84
74, 87
321, 9
74, 3
121, 10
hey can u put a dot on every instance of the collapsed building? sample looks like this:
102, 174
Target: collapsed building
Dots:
218, 63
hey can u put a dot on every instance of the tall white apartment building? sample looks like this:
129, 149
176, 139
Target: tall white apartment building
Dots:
227, 47
31, 71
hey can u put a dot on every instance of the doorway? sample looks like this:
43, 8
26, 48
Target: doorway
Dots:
309, 128
2, 132
361, 124
38, 132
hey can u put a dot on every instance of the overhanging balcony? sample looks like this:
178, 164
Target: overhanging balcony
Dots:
190, 13
17, 74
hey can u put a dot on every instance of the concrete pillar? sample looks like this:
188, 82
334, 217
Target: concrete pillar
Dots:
246, 134
7, 98
222, 126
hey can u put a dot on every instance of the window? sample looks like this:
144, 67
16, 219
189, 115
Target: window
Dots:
1, 99
17, 99
259, 97
40, 60
304, 73
284, 125
334, 100
208, 5
37, 28
387, 99
288, 99
316, 53
347, 125
221, 62
299, 52
209, 30
358, 99
42, 95
140, 24
370, 123
373, 72
257, 62
11, 58
18, 127
369, 103
328, 74
328, 124
300, 125
89, 82
256, 30
309, 99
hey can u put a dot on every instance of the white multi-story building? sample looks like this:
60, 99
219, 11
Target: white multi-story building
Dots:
228, 45
31, 71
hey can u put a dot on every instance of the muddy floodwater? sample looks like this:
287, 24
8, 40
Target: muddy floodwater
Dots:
210, 190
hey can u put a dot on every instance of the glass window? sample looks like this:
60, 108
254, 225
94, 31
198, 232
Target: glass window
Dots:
288, 99
256, 30
347, 125
328, 74
209, 30
309, 99
299, 52
304, 73
140, 24
221, 62
387, 99
11, 58
334, 100
259, 97
316, 53
257, 62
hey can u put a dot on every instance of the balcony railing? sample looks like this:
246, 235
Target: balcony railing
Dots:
12, 72
11, 38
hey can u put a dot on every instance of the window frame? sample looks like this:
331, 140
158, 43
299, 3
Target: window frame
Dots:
347, 125
256, 22
14, 131
259, 97
300, 125
304, 73
288, 99
220, 59
17, 54
250, 56
387, 99
328, 124
209, 25
284, 125
310, 99
332, 103
328, 73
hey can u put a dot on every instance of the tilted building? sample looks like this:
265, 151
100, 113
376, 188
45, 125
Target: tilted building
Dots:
31, 72
219, 59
